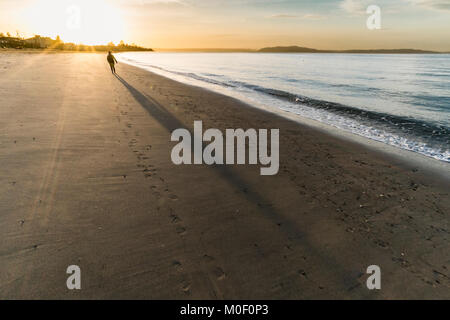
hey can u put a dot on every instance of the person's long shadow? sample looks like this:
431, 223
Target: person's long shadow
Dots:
156, 110
288, 225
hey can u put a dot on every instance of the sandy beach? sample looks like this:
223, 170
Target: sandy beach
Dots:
86, 179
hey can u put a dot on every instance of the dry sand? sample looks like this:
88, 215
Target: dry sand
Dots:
86, 179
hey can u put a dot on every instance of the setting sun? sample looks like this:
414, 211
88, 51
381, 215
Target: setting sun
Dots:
79, 21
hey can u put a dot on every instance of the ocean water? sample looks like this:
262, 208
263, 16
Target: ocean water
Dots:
401, 100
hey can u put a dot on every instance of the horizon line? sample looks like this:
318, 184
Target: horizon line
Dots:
292, 46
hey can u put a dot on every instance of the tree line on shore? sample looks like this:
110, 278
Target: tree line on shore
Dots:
38, 42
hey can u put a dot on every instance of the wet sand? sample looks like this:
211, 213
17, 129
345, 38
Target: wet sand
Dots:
87, 179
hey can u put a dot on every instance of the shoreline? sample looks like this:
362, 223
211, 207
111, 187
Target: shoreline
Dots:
439, 169
88, 180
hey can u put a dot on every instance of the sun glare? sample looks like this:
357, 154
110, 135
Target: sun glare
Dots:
79, 21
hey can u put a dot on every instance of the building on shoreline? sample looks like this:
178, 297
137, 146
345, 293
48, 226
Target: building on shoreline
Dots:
11, 42
41, 42
37, 42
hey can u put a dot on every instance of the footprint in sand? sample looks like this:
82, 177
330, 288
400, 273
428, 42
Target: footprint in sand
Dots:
174, 218
208, 258
157, 194
181, 231
186, 288
218, 272
176, 264
148, 172
381, 243
302, 273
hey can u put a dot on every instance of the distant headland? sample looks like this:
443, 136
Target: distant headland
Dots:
297, 49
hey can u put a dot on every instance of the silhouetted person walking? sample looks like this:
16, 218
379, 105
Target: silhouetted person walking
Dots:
112, 61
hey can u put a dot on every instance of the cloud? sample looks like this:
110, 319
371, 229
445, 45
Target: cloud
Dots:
308, 16
432, 4
154, 2
284, 16
356, 7
312, 16
161, 1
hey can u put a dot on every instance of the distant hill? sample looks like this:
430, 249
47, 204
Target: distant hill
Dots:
288, 49
410, 51
297, 49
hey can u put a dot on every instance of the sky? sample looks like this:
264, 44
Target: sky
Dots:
252, 24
